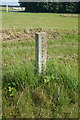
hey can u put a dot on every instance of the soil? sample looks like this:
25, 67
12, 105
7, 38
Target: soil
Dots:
12, 35
67, 15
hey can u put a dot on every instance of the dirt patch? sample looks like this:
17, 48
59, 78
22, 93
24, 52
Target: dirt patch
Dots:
12, 35
67, 15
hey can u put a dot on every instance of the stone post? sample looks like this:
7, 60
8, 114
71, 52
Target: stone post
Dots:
41, 52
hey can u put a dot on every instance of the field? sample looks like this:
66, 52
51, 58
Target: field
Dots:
25, 94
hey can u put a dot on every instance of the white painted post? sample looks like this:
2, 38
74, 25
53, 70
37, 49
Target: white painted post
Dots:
41, 51
6, 8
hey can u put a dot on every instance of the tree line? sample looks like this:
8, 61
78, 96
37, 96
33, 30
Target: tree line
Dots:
53, 7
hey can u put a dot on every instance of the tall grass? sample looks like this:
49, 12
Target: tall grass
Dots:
55, 94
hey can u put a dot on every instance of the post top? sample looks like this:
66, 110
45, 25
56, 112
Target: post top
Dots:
40, 33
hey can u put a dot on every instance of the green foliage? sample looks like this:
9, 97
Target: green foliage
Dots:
57, 91
55, 7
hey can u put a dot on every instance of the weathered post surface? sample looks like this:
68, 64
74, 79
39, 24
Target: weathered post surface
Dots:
6, 8
41, 52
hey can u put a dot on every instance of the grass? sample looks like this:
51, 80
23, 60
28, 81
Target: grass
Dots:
26, 95
38, 20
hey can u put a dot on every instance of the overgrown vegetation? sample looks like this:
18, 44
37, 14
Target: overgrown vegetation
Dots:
27, 95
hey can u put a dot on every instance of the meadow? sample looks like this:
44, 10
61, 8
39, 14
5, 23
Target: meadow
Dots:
25, 94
